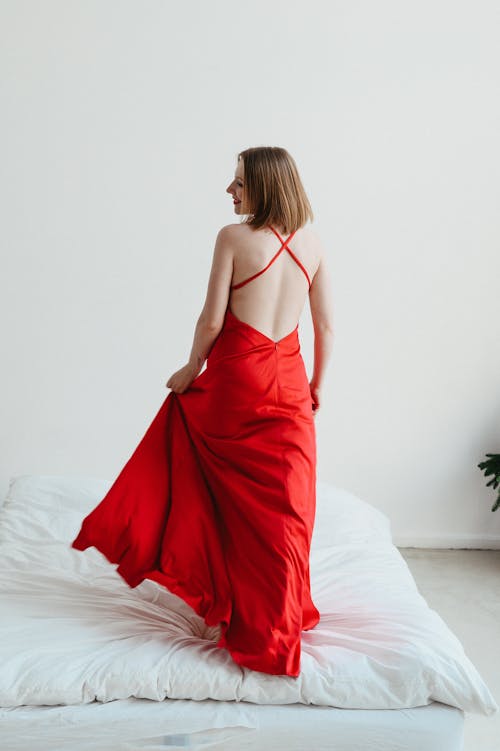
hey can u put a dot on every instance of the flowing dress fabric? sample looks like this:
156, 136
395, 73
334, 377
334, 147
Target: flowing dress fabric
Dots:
217, 502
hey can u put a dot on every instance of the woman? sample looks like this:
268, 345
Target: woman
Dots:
217, 501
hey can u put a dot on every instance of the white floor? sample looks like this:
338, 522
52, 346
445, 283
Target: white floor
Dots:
463, 586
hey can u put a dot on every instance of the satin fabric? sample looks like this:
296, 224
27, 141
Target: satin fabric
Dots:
217, 502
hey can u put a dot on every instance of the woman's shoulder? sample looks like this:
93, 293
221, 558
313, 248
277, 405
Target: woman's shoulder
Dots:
242, 229
232, 232
236, 234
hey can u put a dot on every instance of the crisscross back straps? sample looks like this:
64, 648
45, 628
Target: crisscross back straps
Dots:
284, 245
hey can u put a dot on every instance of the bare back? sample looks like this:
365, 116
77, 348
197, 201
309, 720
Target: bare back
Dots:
272, 301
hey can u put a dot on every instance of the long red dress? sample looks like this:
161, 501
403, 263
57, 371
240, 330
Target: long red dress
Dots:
217, 502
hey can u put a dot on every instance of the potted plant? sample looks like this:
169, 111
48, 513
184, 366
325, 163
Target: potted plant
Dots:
492, 467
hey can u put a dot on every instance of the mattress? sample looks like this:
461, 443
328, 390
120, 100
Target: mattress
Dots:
130, 724
81, 649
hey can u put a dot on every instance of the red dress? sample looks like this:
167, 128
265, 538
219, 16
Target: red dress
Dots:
217, 502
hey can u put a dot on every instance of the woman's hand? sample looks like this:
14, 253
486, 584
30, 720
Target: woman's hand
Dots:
315, 398
182, 379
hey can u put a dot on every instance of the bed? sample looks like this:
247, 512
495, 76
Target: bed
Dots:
89, 662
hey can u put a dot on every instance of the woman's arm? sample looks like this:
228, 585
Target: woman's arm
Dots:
320, 300
211, 318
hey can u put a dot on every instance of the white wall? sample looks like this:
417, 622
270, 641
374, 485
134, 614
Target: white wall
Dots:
121, 122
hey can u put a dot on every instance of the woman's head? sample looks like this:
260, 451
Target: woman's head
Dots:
267, 187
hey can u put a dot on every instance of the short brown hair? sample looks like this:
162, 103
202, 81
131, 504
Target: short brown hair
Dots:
273, 189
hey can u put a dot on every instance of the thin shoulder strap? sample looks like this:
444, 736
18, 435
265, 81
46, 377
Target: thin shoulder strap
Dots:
284, 242
285, 245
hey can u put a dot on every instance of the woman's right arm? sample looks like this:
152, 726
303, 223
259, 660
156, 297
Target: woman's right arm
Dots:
320, 301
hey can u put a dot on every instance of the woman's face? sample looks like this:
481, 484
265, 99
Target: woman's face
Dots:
237, 188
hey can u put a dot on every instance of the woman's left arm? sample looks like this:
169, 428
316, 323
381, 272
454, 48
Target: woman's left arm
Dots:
211, 318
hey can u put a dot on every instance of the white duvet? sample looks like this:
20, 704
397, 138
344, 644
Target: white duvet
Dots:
72, 631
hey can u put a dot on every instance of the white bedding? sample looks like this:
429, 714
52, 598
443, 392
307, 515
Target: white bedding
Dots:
72, 630
131, 724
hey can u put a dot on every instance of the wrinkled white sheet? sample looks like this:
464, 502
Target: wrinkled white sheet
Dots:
73, 631
131, 724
